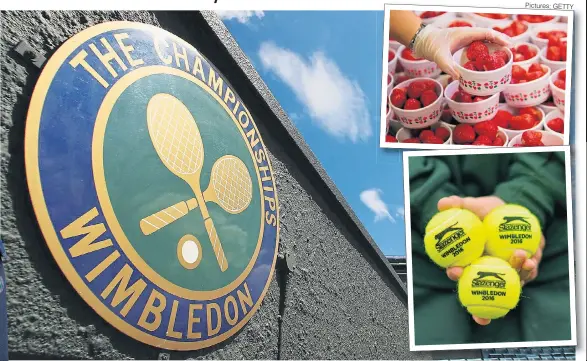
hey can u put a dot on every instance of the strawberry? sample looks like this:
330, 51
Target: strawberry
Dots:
494, 16
428, 84
415, 89
398, 97
518, 72
498, 142
557, 124
479, 98
428, 97
522, 122
442, 133
535, 18
462, 97
561, 84
553, 53
463, 134
535, 67
481, 60
431, 14
476, 49
425, 134
494, 62
412, 104
533, 111
412, 140
562, 75
390, 56
531, 138
486, 128
518, 27
407, 54
433, 140
459, 24
502, 54
517, 145
534, 75
563, 49
483, 140
470, 66
390, 139
519, 57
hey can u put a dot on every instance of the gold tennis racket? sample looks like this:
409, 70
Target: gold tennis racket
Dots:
230, 187
177, 140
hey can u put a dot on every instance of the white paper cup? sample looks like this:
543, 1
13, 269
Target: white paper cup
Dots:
470, 112
511, 133
533, 25
558, 95
486, 22
522, 38
542, 43
418, 68
550, 116
406, 133
394, 45
548, 139
438, 19
532, 60
423, 117
528, 94
390, 84
484, 82
553, 65
393, 63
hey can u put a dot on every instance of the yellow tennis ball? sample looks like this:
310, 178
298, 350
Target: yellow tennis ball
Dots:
510, 227
454, 237
489, 287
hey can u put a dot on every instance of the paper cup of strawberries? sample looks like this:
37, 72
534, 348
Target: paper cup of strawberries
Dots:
391, 61
542, 34
525, 53
467, 108
514, 121
432, 17
535, 19
417, 102
485, 68
558, 84
417, 67
554, 122
436, 134
536, 138
518, 31
555, 54
529, 85
488, 20
484, 133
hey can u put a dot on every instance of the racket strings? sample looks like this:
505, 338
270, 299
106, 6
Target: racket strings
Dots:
176, 137
232, 184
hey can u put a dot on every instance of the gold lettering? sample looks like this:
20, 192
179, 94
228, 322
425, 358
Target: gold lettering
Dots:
260, 156
213, 330
80, 59
171, 325
215, 82
236, 105
91, 233
231, 301
156, 311
245, 123
123, 292
270, 218
198, 68
265, 173
108, 57
182, 56
193, 320
127, 49
165, 59
271, 202
106, 262
251, 136
245, 298
229, 96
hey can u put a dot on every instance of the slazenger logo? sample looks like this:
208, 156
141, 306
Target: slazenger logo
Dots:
515, 223
448, 236
159, 201
495, 280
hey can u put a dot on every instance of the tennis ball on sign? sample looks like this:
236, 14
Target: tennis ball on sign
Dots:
489, 287
510, 227
454, 237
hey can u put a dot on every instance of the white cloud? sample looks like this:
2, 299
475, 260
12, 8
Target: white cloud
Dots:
336, 103
372, 199
242, 16
399, 212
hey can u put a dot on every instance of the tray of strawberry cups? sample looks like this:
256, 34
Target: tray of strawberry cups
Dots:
505, 96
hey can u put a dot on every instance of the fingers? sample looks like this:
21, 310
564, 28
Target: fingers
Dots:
498, 38
450, 202
517, 259
481, 321
468, 35
528, 269
454, 273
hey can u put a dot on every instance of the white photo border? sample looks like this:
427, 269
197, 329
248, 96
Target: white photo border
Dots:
572, 276
383, 112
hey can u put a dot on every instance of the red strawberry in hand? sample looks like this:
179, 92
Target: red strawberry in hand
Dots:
531, 139
483, 140
475, 49
463, 134
557, 124
486, 128
428, 97
412, 104
502, 54
442, 133
398, 97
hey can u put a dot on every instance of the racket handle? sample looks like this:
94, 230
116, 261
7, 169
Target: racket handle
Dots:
220, 257
158, 220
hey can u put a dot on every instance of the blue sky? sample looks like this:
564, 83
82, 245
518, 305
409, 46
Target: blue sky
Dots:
325, 70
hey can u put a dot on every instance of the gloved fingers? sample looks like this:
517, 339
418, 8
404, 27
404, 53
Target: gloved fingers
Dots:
465, 36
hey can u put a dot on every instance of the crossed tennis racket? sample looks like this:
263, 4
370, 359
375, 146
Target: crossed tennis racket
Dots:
177, 140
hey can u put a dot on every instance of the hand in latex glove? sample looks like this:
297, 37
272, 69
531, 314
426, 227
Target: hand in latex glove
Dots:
438, 45
481, 206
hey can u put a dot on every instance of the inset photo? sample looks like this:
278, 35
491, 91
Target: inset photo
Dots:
489, 247
457, 77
